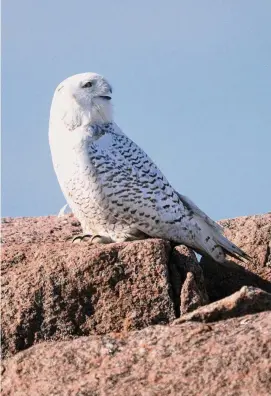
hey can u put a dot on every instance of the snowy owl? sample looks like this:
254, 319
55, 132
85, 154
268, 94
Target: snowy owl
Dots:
112, 186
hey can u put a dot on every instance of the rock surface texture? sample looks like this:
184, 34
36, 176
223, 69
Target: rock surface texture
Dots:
56, 292
230, 357
135, 318
253, 235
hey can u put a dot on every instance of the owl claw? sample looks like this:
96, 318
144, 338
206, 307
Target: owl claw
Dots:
101, 239
81, 237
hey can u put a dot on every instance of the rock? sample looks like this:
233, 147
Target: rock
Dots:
246, 301
192, 296
253, 235
49, 229
60, 290
53, 289
187, 280
228, 358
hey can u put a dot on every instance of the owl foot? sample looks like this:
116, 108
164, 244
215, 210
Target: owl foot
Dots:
81, 237
94, 239
100, 239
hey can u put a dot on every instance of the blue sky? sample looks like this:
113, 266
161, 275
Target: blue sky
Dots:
192, 86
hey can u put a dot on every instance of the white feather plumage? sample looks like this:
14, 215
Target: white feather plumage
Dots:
111, 185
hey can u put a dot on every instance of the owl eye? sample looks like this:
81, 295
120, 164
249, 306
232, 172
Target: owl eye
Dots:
87, 84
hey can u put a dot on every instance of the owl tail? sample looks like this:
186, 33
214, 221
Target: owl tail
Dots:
211, 240
213, 243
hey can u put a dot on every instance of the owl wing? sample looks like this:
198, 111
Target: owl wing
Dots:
137, 192
197, 211
134, 188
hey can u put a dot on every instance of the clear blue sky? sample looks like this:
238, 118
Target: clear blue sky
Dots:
192, 86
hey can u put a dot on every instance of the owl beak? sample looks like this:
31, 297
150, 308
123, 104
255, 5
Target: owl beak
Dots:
105, 97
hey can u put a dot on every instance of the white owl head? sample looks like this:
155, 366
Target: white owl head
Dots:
83, 99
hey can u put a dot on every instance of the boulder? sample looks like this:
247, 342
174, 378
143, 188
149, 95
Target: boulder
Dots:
53, 289
246, 301
253, 235
228, 358
31, 230
187, 280
61, 290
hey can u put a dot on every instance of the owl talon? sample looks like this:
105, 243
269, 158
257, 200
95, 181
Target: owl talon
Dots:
101, 239
81, 237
